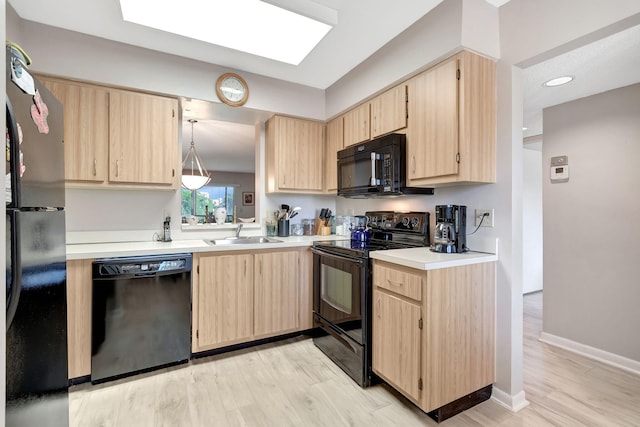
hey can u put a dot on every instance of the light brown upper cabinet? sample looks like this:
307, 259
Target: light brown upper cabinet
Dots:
295, 155
356, 125
117, 138
389, 111
451, 134
143, 134
335, 143
86, 129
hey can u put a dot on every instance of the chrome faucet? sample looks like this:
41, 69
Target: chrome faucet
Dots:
238, 230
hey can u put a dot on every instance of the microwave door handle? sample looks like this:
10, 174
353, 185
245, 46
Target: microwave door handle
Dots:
374, 180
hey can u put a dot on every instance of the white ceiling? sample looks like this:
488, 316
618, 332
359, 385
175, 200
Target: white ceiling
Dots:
606, 64
364, 26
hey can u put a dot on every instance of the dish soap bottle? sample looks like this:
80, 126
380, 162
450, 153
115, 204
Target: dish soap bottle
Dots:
166, 236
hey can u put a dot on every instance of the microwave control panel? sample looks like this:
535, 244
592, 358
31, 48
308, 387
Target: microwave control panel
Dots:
387, 172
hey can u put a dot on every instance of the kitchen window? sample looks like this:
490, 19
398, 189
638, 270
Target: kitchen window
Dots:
195, 202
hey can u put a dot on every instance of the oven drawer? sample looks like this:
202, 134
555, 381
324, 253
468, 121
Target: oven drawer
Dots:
401, 280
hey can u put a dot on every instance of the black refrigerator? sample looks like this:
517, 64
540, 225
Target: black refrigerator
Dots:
36, 335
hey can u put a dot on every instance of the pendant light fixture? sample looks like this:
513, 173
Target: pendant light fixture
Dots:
196, 175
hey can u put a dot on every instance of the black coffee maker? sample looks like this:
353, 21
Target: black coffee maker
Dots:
450, 234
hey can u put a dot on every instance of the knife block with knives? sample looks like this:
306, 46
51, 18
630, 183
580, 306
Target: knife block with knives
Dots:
323, 223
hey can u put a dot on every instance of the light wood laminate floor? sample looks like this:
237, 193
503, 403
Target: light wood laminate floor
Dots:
291, 383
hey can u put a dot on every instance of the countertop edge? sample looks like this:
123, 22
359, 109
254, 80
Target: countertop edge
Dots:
431, 261
126, 249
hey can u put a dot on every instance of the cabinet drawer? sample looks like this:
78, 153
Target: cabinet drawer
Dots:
401, 280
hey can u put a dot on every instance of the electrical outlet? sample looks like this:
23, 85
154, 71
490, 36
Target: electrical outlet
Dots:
488, 220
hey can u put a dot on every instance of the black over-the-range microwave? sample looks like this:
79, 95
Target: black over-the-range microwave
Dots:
375, 168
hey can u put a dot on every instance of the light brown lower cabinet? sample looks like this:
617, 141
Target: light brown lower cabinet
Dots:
79, 317
275, 306
243, 296
434, 331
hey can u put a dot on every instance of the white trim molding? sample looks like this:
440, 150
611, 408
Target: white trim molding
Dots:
593, 353
513, 403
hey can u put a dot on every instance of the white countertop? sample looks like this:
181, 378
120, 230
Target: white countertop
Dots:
424, 259
122, 249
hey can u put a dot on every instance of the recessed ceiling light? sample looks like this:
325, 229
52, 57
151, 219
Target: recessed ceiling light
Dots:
524, 128
558, 81
251, 26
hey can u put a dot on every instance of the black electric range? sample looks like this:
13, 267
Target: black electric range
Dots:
342, 287
389, 230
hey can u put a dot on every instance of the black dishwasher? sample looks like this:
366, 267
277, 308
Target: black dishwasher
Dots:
141, 317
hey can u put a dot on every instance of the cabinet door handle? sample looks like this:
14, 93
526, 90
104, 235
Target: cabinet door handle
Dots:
95, 167
413, 164
245, 267
117, 167
378, 311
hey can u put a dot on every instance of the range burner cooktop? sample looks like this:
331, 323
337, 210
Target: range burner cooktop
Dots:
389, 230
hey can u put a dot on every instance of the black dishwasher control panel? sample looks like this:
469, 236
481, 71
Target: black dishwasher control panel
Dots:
107, 268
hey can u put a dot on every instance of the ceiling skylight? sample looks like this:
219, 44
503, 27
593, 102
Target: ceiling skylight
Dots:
251, 26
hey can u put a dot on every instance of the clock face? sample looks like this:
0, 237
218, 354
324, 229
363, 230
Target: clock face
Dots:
232, 89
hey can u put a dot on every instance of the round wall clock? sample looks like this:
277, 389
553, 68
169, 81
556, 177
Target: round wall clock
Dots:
232, 89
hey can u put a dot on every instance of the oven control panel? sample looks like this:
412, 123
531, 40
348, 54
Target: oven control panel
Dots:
417, 222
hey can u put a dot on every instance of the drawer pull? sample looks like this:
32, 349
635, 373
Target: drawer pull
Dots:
391, 282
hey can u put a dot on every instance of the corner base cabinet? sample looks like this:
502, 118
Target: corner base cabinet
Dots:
433, 331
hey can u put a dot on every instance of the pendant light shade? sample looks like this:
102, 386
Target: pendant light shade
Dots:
194, 174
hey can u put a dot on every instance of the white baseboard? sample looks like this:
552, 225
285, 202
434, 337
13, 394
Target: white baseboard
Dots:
605, 357
513, 403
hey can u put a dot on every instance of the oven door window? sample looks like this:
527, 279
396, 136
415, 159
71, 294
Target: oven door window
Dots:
336, 289
340, 294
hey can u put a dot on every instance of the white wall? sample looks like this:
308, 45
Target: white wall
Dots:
532, 217
591, 229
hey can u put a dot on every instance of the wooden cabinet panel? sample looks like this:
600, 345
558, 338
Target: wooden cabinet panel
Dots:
396, 342
117, 138
276, 302
295, 155
224, 297
453, 349
432, 146
79, 280
306, 289
451, 133
356, 125
143, 138
401, 280
389, 111
335, 143
86, 129
459, 333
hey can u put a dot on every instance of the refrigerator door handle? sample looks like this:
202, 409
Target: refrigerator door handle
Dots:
16, 273
14, 155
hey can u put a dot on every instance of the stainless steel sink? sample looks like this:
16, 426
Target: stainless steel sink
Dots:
249, 240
